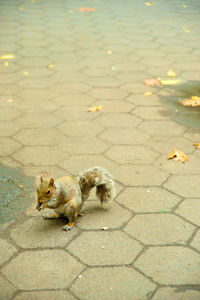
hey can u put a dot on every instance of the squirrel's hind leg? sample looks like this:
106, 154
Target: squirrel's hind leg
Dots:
72, 216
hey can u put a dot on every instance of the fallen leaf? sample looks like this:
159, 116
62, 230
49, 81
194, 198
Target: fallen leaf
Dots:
171, 73
50, 66
184, 6
178, 155
148, 4
151, 82
105, 228
20, 185
185, 29
7, 56
86, 9
5, 63
21, 7
197, 145
117, 23
25, 73
70, 11
193, 101
109, 52
95, 108
10, 100
169, 81
163, 211
113, 68
148, 93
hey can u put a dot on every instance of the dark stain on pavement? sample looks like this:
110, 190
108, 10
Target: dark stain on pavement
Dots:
15, 193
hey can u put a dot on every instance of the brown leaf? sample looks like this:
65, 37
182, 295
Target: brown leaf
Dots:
197, 145
178, 155
86, 9
152, 82
193, 101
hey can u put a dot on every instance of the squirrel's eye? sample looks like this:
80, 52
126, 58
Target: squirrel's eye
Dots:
48, 192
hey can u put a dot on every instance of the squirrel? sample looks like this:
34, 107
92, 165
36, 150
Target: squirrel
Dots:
67, 195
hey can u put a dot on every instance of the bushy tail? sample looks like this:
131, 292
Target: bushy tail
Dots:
102, 180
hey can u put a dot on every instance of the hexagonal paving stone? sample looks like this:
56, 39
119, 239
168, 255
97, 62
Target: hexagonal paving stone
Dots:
131, 154
184, 185
68, 88
8, 146
120, 136
121, 120
54, 269
100, 245
7, 128
152, 113
38, 105
74, 113
173, 167
84, 145
115, 106
39, 136
80, 128
9, 113
177, 293
33, 62
166, 144
39, 155
141, 175
170, 265
95, 217
108, 93
151, 199
6, 288
118, 283
196, 241
159, 229
74, 99
101, 82
77, 163
34, 94
38, 120
6, 251
45, 295
141, 100
40, 233
189, 209
162, 128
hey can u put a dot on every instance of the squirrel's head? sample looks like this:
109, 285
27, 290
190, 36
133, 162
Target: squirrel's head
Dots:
45, 192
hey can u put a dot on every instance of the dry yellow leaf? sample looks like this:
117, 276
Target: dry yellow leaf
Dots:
10, 100
193, 101
117, 23
185, 29
171, 73
178, 155
184, 6
109, 52
95, 108
25, 73
21, 7
169, 81
197, 145
5, 63
148, 93
7, 56
50, 66
148, 4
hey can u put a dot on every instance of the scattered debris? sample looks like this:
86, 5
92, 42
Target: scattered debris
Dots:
178, 155
25, 73
193, 101
109, 52
50, 66
152, 82
7, 56
169, 81
148, 93
105, 228
171, 73
5, 63
21, 7
86, 9
10, 100
185, 29
95, 108
197, 145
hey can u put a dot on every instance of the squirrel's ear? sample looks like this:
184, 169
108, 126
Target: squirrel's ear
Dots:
51, 182
41, 179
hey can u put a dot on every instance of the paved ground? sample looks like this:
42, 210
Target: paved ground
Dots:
66, 61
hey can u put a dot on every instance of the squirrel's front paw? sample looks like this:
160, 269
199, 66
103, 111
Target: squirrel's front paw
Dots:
67, 227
